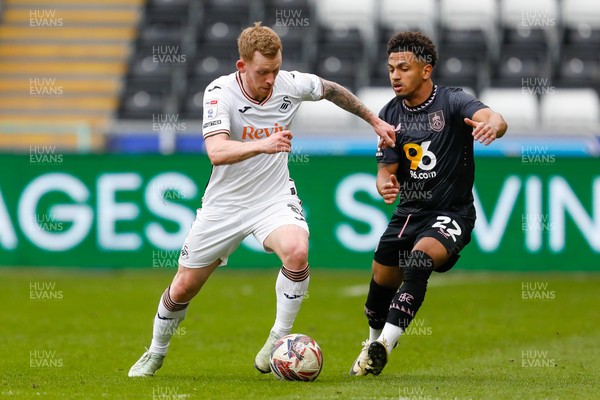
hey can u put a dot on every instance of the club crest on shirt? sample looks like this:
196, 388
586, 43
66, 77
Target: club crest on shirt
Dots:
286, 105
436, 120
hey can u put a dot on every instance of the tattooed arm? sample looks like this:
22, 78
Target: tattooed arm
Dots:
343, 98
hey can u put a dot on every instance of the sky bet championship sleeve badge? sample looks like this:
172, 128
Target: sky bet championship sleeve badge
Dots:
211, 108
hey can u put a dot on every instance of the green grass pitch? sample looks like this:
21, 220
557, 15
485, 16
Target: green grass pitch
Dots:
70, 334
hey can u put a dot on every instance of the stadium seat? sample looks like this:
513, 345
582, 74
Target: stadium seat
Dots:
213, 60
143, 99
579, 66
571, 111
288, 13
457, 66
193, 101
379, 75
409, 15
519, 62
162, 28
520, 109
237, 13
580, 11
469, 23
532, 23
297, 47
340, 68
375, 97
220, 31
581, 21
146, 63
319, 116
357, 14
169, 6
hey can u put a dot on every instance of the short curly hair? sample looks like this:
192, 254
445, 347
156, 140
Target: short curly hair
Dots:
415, 42
258, 38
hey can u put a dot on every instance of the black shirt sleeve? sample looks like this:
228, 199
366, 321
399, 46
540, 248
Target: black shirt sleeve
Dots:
464, 104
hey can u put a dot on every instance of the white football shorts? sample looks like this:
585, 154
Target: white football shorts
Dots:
216, 233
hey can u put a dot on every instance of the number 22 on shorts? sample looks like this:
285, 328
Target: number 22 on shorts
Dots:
442, 224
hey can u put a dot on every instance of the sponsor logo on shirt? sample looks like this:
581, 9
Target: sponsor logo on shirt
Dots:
212, 123
254, 133
421, 158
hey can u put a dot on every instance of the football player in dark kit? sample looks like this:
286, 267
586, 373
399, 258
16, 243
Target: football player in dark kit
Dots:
431, 169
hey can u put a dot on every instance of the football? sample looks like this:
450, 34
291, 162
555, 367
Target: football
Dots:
296, 357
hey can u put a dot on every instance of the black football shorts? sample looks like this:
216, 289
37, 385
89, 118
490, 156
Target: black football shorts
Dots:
404, 231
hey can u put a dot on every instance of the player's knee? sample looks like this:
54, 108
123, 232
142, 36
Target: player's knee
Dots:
184, 287
296, 258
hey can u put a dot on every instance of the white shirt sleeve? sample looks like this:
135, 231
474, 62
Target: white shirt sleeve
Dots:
310, 86
215, 118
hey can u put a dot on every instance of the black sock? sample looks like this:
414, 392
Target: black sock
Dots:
411, 294
378, 304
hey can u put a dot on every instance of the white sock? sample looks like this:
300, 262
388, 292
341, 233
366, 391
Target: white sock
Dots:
390, 335
166, 321
374, 334
290, 288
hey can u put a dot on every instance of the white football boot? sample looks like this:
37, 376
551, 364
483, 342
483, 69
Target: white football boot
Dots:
262, 362
359, 368
147, 365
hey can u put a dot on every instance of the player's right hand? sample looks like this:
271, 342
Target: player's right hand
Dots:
278, 142
390, 190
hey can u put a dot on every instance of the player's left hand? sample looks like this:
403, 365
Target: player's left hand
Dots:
386, 133
482, 131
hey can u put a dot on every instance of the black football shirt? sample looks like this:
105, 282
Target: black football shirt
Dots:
434, 151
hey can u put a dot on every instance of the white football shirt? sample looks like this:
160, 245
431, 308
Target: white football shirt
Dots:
229, 109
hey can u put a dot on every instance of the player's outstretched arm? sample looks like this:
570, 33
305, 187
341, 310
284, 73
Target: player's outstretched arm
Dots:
221, 150
343, 98
387, 184
487, 126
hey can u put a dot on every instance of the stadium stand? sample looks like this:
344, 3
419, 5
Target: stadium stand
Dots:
119, 64
419, 15
61, 64
574, 111
521, 109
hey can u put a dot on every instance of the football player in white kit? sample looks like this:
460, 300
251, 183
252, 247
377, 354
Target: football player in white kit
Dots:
246, 126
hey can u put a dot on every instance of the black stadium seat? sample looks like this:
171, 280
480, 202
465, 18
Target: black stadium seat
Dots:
457, 66
579, 66
520, 62
142, 99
